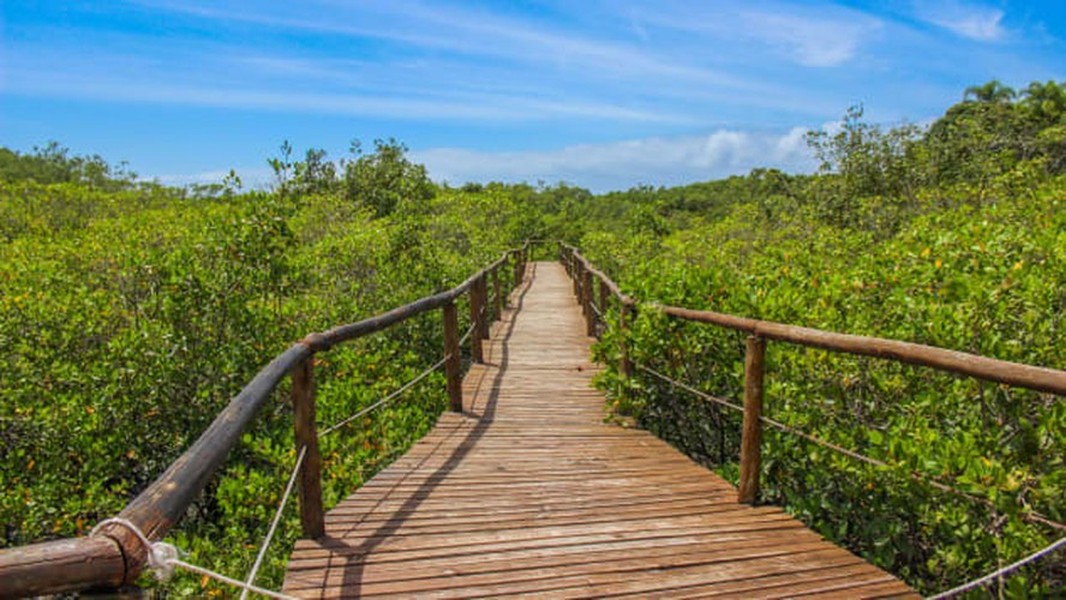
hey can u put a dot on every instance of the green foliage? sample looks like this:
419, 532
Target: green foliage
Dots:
130, 313
130, 317
385, 179
54, 164
875, 245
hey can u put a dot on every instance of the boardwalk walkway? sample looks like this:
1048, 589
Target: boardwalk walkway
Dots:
529, 493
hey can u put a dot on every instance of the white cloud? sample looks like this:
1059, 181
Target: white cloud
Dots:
598, 167
828, 37
812, 42
470, 32
413, 105
979, 23
251, 178
620, 165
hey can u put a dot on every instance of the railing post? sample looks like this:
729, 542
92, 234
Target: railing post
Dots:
476, 353
518, 269
483, 298
605, 296
576, 276
497, 290
625, 365
303, 405
751, 437
589, 302
452, 366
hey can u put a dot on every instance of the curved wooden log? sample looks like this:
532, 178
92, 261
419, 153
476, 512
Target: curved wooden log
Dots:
1041, 379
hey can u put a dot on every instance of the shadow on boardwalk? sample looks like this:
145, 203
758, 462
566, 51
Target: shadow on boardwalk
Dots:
356, 554
531, 493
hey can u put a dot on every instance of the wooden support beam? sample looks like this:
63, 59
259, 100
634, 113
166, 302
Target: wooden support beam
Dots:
625, 366
476, 352
751, 437
483, 298
605, 297
452, 366
576, 276
589, 301
498, 291
519, 270
310, 478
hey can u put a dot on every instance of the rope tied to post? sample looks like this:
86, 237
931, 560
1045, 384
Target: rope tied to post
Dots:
161, 555
163, 559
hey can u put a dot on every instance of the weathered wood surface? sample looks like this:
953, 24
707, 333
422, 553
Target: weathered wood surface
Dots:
530, 493
751, 437
303, 417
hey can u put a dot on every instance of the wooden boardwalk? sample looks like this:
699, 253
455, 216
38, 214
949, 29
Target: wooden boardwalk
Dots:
530, 493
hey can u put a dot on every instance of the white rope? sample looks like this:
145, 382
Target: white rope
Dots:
163, 557
466, 336
232, 581
596, 310
386, 399
250, 580
915, 475
691, 389
1004, 571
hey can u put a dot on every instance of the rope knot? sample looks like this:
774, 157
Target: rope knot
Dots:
161, 555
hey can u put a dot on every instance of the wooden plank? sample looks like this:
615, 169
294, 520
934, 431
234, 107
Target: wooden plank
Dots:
529, 492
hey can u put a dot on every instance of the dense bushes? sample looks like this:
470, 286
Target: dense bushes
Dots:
130, 313
973, 265
129, 317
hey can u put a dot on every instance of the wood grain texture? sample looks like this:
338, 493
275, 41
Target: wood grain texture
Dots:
528, 492
303, 416
751, 435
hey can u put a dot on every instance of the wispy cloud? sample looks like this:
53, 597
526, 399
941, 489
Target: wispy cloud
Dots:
600, 167
442, 75
251, 178
471, 32
976, 22
827, 37
170, 86
658, 161
812, 42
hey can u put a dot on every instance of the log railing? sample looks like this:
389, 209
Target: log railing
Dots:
116, 558
1040, 379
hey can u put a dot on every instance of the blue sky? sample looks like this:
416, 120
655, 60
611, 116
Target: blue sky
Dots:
604, 94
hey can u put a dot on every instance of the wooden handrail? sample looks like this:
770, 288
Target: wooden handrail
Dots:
1041, 379
117, 557
576, 255
1031, 377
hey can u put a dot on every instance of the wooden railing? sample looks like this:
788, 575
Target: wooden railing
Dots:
1000, 371
117, 557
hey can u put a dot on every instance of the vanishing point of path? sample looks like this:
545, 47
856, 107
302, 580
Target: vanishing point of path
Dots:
530, 493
